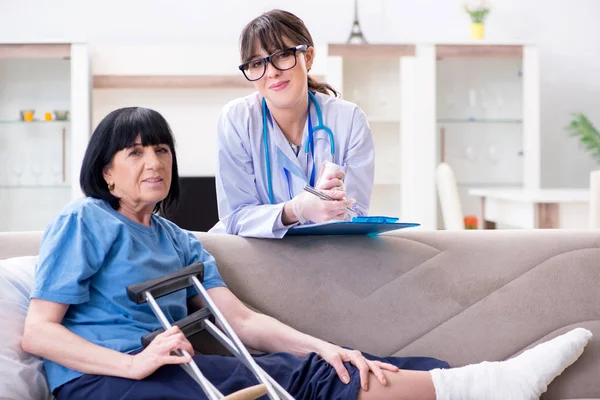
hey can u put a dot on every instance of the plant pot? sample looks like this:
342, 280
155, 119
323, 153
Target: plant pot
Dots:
477, 31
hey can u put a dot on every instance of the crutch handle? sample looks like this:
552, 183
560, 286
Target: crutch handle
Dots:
189, 325
249, 393
166, 284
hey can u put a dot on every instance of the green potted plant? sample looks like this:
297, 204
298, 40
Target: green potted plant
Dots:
478, 11
589, 139
588, 135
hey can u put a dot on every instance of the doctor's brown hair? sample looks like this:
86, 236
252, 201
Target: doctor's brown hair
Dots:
269, 30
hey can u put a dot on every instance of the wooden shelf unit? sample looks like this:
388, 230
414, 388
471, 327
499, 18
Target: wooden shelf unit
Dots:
173, 82
371, 50
478, 51
54, 50
169, 82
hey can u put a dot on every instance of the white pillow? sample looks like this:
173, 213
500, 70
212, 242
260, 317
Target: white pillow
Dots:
21, 374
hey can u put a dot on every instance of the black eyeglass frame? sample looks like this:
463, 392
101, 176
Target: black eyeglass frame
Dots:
265, 60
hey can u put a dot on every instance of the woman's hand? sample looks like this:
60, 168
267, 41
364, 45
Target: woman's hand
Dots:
308, 207
336, 356
160, 352
331, 179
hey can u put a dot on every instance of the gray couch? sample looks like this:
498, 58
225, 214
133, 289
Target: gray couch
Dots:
459, 296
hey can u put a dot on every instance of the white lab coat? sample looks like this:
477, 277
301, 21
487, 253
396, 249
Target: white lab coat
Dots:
242, 192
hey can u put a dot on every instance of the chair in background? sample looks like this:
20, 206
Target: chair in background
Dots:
449, 199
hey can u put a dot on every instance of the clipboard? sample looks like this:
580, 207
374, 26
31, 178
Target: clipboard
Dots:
372, 225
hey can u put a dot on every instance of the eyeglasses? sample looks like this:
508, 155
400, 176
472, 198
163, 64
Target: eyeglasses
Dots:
283, 60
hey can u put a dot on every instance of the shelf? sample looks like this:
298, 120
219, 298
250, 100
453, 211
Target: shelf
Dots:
54, 50
169, 82
55, 186
478, 51
479, 121
371, 50
175, 82
442, 50
34, 122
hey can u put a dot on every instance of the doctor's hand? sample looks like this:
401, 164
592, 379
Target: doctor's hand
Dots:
308, 207
160, 352
331, 177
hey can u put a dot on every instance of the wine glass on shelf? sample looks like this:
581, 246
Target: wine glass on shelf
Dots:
56, 169
472, 104
17, 166
36, 161
470, 154
37, 169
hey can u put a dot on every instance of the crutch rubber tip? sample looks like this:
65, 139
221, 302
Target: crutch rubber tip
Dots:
249, 393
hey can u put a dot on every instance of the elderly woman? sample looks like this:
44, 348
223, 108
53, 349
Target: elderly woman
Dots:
88, 332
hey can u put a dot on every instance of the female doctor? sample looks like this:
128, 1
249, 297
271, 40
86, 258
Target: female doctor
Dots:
277, 140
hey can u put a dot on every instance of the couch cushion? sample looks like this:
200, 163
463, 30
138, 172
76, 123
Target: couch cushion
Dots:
21, 374
462, 297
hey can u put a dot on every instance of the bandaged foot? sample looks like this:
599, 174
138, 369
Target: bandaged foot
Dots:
524, 377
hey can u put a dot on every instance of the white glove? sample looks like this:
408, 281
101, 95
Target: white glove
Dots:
331, 177
308, 207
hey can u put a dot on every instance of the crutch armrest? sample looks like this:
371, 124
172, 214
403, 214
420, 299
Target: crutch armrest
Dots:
166, 284
189, 325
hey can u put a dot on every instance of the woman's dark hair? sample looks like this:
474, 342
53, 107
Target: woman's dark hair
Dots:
269, 30
118, 131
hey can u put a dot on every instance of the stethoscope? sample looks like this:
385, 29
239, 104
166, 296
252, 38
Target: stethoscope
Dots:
309, 143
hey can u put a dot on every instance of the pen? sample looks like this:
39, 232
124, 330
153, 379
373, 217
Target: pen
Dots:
322, 195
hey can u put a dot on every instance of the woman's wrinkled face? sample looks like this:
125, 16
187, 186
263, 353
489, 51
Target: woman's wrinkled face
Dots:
283, 89
141, 175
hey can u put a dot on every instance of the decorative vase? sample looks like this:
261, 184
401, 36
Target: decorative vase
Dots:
477, 30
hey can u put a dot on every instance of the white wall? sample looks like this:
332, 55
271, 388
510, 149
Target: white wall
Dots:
568, 34
187, 111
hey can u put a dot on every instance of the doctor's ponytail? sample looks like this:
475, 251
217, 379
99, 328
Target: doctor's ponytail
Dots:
269, 30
